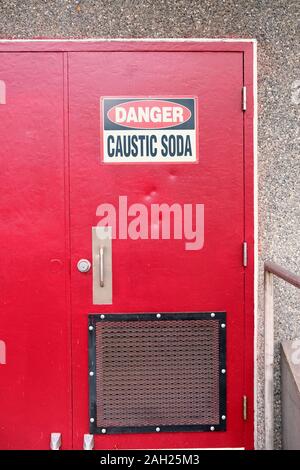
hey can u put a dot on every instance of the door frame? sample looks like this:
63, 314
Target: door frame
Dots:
249, 49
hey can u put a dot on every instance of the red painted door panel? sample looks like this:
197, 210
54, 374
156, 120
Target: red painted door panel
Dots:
160, 275
35, 392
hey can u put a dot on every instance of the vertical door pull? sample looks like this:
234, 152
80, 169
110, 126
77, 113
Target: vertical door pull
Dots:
101, 266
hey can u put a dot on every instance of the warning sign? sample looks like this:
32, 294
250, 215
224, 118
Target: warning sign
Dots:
148, 130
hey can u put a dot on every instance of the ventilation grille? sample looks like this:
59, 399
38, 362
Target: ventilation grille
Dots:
157, 374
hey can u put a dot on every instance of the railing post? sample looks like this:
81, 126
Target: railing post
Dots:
269, 361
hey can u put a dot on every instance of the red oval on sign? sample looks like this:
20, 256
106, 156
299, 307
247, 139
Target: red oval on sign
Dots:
149, 114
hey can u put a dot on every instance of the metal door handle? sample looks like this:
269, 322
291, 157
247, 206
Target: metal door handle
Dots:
101, 266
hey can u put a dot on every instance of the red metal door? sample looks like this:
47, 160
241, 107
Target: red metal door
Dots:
35, 392
47, 202
161, 275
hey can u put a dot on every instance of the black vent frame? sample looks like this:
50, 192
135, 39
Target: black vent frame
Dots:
218, 318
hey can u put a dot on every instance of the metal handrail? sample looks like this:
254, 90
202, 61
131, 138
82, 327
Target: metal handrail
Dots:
283, 273
272, 269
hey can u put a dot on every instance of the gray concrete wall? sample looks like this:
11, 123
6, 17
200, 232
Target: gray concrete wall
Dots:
290, 394
273, 23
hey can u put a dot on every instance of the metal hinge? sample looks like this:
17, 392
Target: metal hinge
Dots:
245, 254
2, 92
245, 408
244, 98
88, 442
55, 440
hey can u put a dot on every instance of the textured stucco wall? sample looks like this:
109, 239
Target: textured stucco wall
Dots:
273, 23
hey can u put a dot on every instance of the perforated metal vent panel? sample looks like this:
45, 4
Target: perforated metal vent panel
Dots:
150, 374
